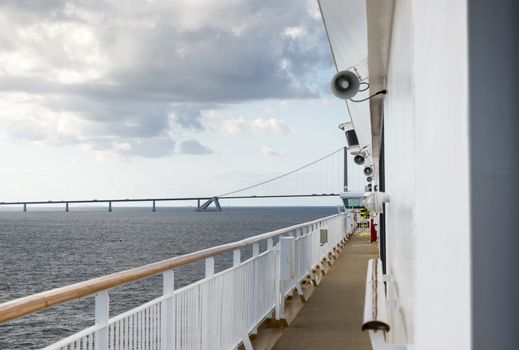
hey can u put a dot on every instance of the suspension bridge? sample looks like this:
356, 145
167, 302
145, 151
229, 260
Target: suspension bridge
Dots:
324, 177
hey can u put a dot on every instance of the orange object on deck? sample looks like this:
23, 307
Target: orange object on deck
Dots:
373, 231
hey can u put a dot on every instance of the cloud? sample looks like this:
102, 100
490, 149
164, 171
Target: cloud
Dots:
295, 32
135, 50
271, 126
194, 147
116, 132
106, 72
267, 151
108, 150
260, 126
189, 116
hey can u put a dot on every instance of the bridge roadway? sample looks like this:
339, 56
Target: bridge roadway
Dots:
154, 200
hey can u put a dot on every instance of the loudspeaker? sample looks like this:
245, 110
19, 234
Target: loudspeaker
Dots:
358, 159
369, 179
368, 171
345, 84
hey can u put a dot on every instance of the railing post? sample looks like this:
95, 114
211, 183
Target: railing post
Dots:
286, 271
24, 207
236, 257
210, 337
270, 244
168, 311
109, 206
66, 207
102, 307
154, 208
255, 249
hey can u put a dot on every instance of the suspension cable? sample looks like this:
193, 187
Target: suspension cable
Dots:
281, 176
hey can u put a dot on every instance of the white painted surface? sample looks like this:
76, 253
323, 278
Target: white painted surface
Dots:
347, 30
400, 175
359, 113
346, 26
219, 311
443, 242
427, 167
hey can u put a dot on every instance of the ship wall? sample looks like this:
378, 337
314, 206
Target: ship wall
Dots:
427, 175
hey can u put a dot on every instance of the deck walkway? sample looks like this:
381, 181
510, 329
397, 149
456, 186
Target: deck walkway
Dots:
332, 317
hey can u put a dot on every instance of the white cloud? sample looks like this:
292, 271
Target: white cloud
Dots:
194, 147
313, 9
102, 74
267, 151
123, 147
295, 32
271, 126
284, 64
231, 125
61, 52
24, 119
259, 126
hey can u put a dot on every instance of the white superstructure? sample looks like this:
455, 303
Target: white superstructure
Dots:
446, 131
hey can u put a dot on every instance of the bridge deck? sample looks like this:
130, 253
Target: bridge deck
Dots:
332, 318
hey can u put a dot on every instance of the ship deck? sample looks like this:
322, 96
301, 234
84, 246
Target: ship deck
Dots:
332, 317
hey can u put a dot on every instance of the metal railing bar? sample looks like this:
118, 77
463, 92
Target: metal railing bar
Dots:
137, 309
74, 337
30, 304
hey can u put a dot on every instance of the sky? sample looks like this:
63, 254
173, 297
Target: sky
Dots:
134, 98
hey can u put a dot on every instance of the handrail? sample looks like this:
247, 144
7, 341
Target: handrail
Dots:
27, 305
375, 317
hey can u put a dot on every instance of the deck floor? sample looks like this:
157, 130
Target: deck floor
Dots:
332, 317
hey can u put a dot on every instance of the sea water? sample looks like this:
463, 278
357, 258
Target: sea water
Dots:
41, 250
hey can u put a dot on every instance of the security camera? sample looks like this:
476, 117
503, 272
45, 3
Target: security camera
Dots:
368, 171
345, 84
351, 137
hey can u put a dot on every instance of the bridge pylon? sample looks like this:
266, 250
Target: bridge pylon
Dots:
207, 204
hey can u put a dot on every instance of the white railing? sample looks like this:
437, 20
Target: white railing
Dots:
217, 312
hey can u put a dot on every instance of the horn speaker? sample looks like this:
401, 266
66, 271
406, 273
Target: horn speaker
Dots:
358, 159
345, 84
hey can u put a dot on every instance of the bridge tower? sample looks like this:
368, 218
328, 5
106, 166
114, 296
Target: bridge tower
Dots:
206, 205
